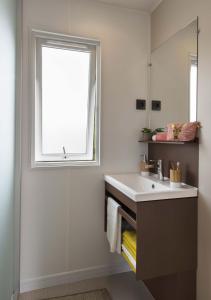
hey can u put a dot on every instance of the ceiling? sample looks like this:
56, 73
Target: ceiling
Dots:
145, 5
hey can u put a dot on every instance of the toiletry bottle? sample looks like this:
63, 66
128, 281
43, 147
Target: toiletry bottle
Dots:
145, 166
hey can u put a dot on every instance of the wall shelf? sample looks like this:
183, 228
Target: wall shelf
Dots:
196, 141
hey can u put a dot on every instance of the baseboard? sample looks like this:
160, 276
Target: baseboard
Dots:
15, 296
71, 277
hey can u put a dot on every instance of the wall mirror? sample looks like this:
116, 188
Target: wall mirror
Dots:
173, 79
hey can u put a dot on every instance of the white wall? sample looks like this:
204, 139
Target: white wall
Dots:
63, 209
7, 147
166, 20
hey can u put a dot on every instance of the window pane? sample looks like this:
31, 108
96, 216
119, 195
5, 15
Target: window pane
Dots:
65, 95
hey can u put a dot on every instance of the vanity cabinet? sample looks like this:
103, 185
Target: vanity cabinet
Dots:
166, 230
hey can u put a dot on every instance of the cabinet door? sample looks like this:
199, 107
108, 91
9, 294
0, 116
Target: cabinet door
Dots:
166, 237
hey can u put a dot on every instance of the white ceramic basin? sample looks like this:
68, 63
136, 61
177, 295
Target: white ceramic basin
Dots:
139, 188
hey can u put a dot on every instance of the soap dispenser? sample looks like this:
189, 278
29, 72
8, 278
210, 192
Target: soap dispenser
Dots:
145, 166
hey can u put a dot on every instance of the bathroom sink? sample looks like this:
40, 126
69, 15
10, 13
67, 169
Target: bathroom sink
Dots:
139, 188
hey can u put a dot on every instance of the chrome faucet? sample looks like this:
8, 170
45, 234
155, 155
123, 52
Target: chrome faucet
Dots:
160, 170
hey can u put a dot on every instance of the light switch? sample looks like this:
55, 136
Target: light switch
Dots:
156, 105
140, 104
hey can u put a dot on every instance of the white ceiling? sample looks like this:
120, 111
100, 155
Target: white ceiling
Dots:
145, 5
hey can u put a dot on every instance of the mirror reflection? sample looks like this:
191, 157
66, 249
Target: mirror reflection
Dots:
174, 68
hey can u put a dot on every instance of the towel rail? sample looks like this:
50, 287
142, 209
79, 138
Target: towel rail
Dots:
127, 217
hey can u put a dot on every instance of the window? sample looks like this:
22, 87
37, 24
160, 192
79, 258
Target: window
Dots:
66, 92
193, 87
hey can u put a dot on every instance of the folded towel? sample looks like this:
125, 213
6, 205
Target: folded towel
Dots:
129, 236
130, 249
114, 224
129, 262
128, 257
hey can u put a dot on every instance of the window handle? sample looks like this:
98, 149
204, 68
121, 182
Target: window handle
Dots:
65, 154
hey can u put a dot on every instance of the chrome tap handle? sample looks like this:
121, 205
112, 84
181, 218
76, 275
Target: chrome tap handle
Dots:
160, 169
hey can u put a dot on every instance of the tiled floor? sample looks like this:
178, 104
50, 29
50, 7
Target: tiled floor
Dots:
121, 287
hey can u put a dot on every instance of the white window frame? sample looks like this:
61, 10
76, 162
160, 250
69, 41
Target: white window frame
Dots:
39, 38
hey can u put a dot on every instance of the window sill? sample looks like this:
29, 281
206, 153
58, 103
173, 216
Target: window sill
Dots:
63, 164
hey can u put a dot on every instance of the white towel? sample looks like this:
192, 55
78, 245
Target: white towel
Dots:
114, 224
132, 260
